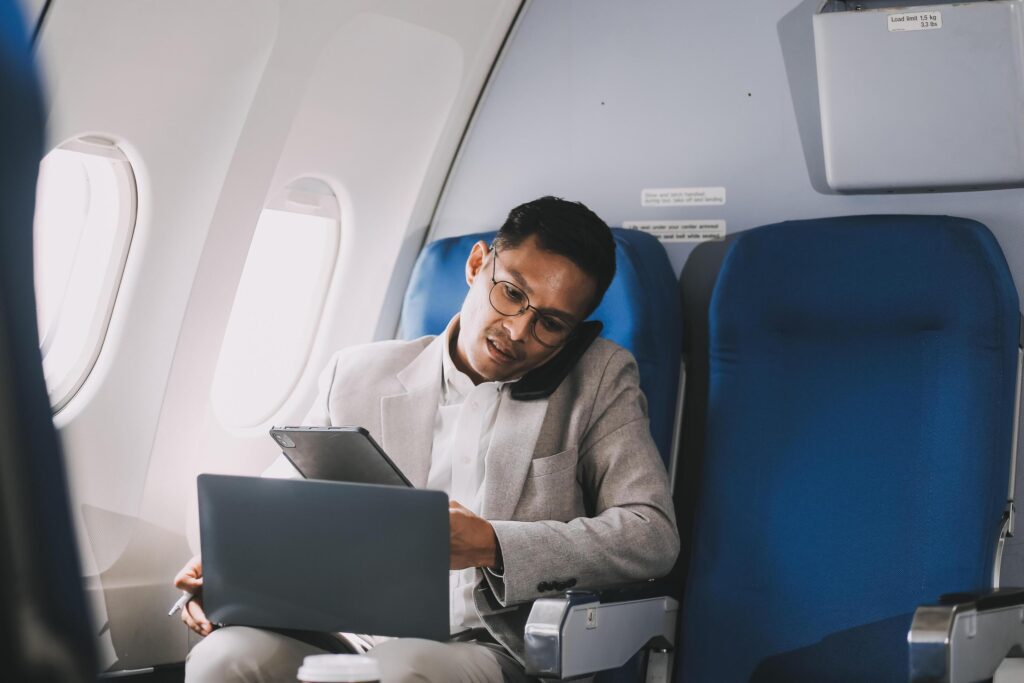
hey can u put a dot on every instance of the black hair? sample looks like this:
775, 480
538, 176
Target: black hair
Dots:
568, 229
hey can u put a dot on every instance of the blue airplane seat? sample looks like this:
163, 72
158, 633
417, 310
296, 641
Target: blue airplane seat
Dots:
45, 633
640, 312
858, 423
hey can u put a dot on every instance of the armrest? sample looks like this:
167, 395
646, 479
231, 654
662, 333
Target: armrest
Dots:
966, 636
655, 588
583, 632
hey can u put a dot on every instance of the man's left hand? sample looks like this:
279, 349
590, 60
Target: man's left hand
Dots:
471, 538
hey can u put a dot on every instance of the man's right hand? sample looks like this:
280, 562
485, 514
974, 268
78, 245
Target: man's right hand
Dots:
190, 579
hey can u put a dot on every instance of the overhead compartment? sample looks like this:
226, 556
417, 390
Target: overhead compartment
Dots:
918, 97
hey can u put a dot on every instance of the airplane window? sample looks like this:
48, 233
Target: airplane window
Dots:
278, 304
84, 220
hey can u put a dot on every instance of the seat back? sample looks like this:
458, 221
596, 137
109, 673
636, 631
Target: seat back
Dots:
857, 442
45, 634
640, 312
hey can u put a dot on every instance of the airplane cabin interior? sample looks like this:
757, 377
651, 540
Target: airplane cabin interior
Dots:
818, 223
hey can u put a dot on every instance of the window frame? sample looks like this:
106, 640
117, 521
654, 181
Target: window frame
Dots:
308, 195
63, 389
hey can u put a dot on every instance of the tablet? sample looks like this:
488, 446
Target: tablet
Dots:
338, 454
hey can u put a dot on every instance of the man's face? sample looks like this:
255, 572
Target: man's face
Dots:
494, 347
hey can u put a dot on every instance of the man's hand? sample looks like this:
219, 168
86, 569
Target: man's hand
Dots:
472, 539
190, 579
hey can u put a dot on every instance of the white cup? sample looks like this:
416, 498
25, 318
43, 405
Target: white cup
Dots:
339, 669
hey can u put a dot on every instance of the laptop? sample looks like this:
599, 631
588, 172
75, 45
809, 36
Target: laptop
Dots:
324, 556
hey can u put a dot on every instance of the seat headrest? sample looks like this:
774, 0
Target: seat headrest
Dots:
864, 273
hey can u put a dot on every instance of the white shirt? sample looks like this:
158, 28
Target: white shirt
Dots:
463, 427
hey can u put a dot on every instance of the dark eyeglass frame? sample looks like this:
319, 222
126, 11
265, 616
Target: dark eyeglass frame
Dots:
538, 314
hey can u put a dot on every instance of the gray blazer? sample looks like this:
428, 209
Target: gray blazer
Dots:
574, 485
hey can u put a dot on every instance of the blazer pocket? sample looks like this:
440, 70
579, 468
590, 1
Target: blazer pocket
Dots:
551, 464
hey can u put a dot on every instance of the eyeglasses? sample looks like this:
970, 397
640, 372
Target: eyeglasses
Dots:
510, 300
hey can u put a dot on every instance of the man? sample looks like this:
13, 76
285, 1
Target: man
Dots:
546, 494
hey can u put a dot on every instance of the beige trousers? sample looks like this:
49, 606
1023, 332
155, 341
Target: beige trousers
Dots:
240, 654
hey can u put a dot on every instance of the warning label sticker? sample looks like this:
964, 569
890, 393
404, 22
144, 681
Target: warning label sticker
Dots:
680, 231
683, 196
915, 21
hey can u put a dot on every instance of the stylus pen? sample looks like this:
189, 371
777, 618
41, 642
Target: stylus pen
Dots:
182, 601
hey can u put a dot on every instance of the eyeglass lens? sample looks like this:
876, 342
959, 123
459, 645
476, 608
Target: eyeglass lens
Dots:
508, 299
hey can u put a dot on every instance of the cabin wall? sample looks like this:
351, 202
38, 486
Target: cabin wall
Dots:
596, 100
219, 106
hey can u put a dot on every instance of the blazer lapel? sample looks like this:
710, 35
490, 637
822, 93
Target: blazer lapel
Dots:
407, 420
508, 458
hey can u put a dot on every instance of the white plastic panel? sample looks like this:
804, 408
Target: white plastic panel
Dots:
85, 217
369, 98
173, 91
